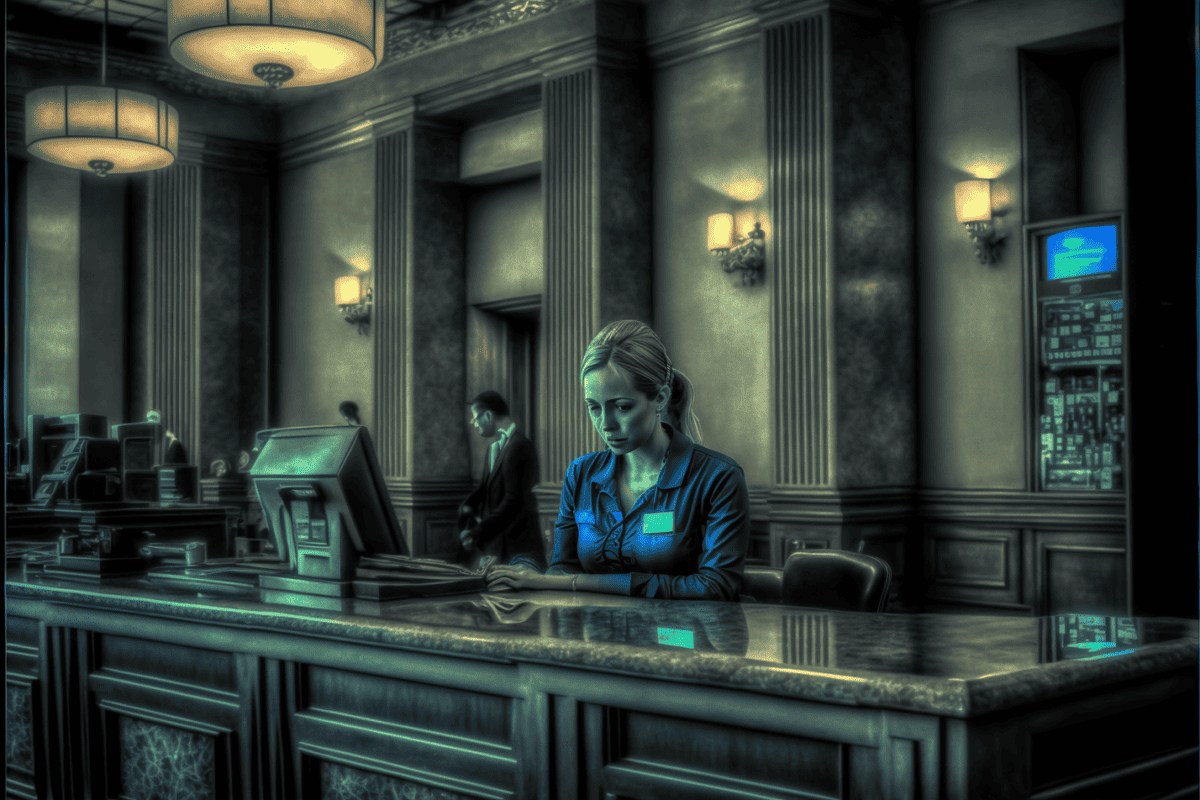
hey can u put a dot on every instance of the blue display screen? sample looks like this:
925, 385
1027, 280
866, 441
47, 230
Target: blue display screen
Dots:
1081, 251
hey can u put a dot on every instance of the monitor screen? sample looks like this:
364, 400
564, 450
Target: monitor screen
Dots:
1078, 252
138, 453
317, 484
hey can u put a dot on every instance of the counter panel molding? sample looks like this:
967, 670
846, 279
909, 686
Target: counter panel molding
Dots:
560, 695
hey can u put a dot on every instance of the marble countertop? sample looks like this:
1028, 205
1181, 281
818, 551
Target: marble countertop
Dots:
950, 665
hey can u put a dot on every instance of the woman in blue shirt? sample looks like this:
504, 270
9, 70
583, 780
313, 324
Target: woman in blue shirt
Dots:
655, 514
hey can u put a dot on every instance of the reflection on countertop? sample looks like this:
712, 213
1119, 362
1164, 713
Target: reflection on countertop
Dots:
959, 664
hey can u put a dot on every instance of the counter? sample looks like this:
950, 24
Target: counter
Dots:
560, 695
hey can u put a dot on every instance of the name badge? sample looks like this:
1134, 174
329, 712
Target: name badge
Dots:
662, 522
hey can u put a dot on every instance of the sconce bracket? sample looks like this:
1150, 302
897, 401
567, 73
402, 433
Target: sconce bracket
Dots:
987, 239
358, 313
749, 256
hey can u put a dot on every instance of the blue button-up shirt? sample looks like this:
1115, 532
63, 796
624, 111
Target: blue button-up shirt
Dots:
694, 545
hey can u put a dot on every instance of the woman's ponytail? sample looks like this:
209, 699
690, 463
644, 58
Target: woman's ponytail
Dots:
679, 408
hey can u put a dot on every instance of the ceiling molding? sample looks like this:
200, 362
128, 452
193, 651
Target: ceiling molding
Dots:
233, 155
445, 100
407, 41
124, 66
586, 53
702, 40
359, 131
934, 6
778, 12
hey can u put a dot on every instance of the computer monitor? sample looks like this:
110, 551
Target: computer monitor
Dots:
141, 452
325, 503
49, 436
1078, 255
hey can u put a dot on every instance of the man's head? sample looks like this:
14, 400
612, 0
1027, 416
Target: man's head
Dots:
487, 411
349, 412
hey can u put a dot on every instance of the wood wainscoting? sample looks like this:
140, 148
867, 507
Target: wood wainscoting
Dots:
1044, 553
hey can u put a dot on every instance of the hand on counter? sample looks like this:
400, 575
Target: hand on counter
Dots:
501, 578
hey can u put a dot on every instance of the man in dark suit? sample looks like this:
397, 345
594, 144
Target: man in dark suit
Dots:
500, 517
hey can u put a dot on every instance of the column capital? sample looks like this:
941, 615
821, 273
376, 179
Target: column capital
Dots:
588, 53
778, 12
358, 131
234, 155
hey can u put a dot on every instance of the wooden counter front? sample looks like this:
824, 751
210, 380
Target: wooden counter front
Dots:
127, 691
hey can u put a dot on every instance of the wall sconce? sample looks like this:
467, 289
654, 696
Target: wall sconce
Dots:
747, 254
353, 301
973, 206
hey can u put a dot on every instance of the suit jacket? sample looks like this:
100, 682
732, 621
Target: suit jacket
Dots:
505, 517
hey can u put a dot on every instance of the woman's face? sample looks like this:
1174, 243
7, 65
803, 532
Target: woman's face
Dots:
625, 417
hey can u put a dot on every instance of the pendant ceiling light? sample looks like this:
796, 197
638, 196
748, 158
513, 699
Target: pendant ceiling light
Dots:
100, 128
277, 42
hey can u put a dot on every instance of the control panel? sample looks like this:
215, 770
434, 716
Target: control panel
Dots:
1082, 393
1083, 331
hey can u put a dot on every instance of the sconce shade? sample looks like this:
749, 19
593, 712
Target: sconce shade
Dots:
720, 232
281, 42
973, 201
101, 128
347, 290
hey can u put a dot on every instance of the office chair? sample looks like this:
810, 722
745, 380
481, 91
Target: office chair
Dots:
762, 584
836, 580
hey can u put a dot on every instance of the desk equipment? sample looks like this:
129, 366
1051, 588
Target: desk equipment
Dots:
99, 541
97, 458
325, 504
141, 445
1079, 312
178, 483
47, 437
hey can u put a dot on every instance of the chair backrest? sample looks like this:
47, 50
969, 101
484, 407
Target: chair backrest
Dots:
764, 584
836, 580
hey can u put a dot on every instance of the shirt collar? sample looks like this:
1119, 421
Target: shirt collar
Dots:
505, 435
679, 455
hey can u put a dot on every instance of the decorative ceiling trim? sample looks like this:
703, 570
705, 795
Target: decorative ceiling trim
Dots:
127, 66
702, 40
777, 12
934, 6
233, 155
444, 99
358, 131
588, 52
406, 41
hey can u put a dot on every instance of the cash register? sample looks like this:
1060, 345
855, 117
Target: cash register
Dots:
329, 515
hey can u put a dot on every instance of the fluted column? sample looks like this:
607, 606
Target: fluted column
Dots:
569, 315
174, 302
596, 164
389, 315
798, 120
419, 329
838, 82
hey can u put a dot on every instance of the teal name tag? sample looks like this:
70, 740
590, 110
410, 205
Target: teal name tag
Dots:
662, 522
675, 638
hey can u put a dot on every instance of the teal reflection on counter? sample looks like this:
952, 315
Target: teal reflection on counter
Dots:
1079, 636
675, 638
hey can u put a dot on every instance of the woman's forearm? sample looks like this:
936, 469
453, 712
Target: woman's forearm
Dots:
604, 584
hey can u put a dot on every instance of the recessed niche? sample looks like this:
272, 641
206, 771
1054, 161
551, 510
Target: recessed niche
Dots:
1073, 120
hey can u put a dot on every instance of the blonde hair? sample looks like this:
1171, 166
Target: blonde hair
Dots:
635, 347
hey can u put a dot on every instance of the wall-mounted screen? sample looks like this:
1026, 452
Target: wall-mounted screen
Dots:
1077, 255
1078, 252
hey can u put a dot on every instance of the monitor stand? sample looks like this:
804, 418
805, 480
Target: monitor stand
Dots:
302, 585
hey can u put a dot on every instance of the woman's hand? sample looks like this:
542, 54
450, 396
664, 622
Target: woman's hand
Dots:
502, 578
